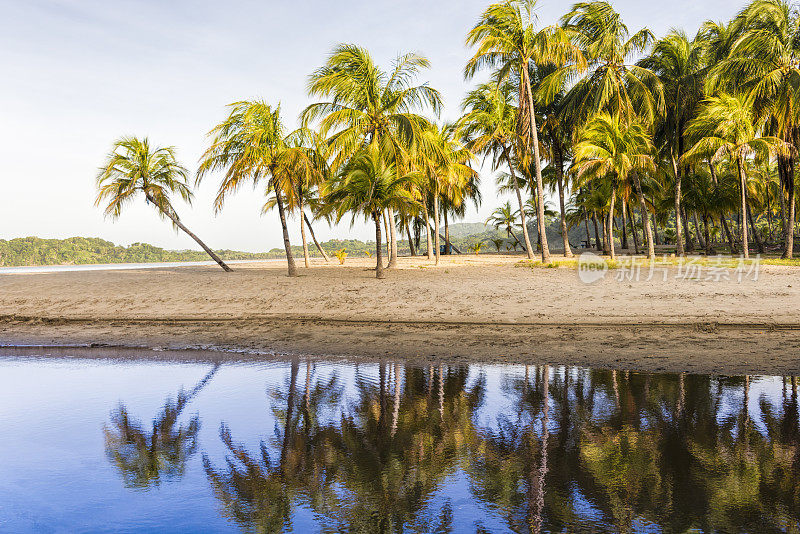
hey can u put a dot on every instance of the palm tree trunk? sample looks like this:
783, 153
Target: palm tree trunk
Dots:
697, 230
707, 234
392, 240
722, 215
789, 233
314, 238
743, 187
610, 225
537, 164
588, 235
376, 216
436, 222
624, 225
447, 250
679, 250
303, 234
528, 249
560, 178
756, 236
386, 233
176, 221
517, 240
686, 231
410, 241
632, 222
428, 231
603, 227
597, 243
396, 410
286, 244
651, 249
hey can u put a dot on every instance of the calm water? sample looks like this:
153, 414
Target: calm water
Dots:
94, 445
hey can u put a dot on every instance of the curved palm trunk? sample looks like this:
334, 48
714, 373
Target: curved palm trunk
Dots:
286, 244
429, 243
378, 246
560, 179
447, 246
743, 188
314, 238
679, 250
436, 221
527, 246
392, 240
537, 164
610, 224
697, 230
176, 221
303, 235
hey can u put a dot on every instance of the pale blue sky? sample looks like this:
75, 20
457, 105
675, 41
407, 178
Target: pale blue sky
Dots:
76, 74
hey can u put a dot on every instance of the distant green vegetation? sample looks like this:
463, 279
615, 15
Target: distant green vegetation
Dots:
28, 251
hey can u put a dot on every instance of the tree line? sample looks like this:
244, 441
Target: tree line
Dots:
680, 141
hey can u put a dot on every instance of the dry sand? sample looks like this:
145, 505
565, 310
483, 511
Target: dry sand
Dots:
485, 308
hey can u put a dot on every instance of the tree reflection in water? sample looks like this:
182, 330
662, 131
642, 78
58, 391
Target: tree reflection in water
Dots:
145, 457
552, 449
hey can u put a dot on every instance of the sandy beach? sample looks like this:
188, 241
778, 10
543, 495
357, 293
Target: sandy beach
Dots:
487, 307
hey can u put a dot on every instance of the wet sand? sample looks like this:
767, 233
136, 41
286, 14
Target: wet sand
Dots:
486, 308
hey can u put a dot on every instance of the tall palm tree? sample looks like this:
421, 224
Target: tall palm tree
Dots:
133, 167
367, 104
614, 150
725, 126
368, 185
678, 63
445, 163
765, 62
488, 127
252, 144
505, 38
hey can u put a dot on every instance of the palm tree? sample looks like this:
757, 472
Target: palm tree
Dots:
252, 144
445, 162
614, 151
367, 104
765, 62
132, 167
725, 126
368, 185
505, 38
145, 457
678, 63
504, 217
488, 126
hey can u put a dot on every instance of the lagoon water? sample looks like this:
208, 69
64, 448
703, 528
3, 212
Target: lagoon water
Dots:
144, 445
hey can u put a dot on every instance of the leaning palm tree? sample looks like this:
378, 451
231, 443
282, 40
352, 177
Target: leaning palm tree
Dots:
613, 150
367, 104
133, 167
369, 185
505, 38
726, 128
252, 144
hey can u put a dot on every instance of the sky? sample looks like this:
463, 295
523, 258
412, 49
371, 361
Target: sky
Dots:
78, 74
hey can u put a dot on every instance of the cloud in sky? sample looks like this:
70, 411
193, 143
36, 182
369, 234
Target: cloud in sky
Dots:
79, 73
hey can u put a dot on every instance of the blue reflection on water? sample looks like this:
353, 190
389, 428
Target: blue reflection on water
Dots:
139, 445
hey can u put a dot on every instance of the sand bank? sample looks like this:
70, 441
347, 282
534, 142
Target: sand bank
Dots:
469, 308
